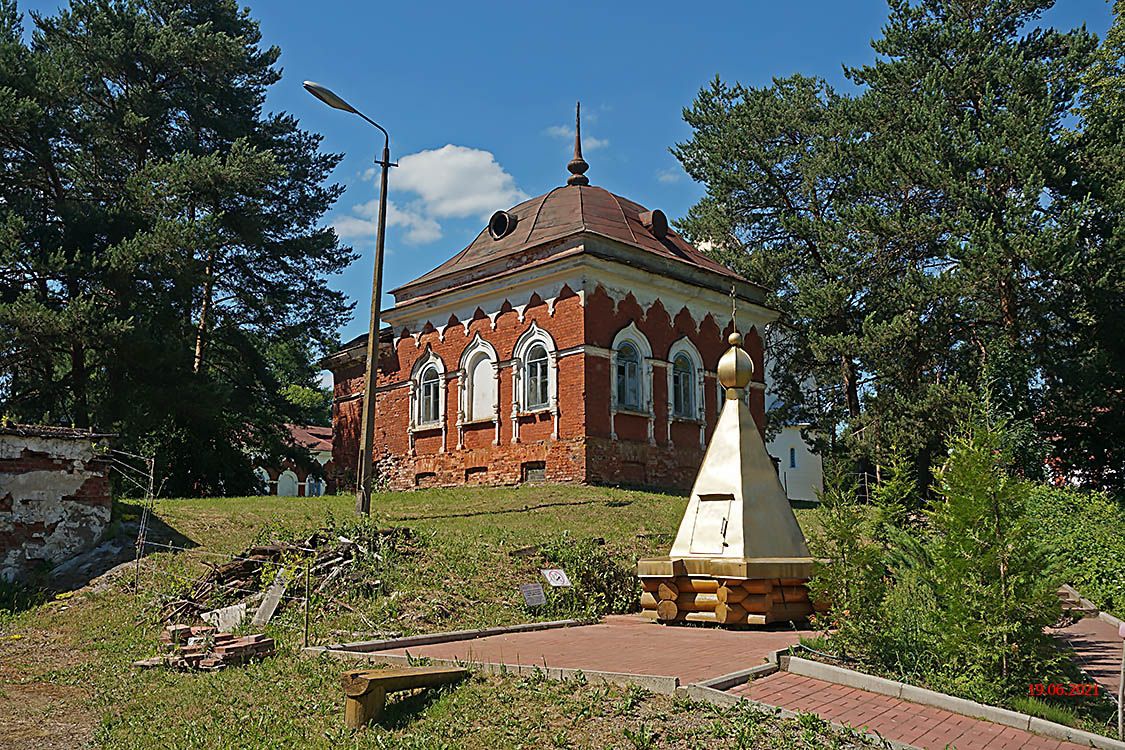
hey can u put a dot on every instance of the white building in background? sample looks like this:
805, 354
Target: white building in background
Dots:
799, 469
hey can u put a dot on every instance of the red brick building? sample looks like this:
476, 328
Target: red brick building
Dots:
575, 340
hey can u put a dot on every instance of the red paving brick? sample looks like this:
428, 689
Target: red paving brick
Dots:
624, 643
1097, 650
922, 726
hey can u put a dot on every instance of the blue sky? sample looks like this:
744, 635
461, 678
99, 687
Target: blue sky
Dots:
479, 98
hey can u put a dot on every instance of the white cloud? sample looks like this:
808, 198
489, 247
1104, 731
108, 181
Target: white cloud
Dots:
589, 143
452, 182
668, 176
420, 228
455, 182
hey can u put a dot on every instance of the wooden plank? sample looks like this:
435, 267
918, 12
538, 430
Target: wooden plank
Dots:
358, 681
272, 600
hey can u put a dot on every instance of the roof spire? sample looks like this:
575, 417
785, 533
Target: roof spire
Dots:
578, 165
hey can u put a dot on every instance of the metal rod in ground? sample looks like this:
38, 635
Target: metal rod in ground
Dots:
1121, 689
306, 603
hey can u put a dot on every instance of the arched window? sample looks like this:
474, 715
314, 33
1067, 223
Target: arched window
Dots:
482, 388
683, 387
478, 381
538, 379
535, 387
429, 402
628, 377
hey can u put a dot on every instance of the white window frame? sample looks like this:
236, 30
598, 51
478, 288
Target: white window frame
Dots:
427, 362
520, 406
541, 400
685, 348
473, 352
630, 334
533, 336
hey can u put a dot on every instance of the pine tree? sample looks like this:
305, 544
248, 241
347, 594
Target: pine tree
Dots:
163, 232
1084, 352
995, 595
971, 98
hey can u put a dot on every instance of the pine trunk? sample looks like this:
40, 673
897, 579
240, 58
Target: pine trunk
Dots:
204, 313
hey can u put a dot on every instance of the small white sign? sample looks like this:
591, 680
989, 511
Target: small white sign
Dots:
556, 577
533, 594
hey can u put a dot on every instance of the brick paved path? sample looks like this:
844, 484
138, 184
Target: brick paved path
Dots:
893, 718
1097, 650
624, 643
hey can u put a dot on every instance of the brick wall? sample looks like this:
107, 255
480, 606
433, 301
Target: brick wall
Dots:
584, 450
54, 497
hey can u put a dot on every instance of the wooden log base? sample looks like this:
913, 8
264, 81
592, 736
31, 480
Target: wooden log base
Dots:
724, 601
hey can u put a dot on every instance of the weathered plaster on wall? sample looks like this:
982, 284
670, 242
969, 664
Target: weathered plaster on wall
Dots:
54, 499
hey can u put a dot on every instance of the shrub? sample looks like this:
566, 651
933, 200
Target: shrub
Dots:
1084, 534
957, 597
600, 585
993, 586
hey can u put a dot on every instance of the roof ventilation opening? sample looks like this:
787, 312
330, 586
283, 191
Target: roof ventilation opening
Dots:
501, 224
655, 222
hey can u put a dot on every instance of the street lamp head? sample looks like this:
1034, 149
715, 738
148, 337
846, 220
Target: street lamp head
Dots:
327, 96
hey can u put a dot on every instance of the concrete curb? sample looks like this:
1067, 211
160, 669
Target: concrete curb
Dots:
655, 683
1107, 617
449, 637
922, 696
729, 680
700, 692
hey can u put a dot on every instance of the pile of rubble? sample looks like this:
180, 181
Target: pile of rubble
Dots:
331, 561
201, 647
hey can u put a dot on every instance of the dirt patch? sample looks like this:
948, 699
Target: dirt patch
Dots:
44, 716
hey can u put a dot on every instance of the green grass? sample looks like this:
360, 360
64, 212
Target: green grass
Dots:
65, 665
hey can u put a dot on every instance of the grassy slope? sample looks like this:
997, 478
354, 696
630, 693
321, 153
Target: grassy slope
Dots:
68, 664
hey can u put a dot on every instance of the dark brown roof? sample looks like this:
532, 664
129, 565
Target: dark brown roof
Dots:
567, 211
313, 437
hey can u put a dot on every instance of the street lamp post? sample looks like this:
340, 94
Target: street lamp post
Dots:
366, 469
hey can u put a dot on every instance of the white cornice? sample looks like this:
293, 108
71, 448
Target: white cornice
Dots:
583, 273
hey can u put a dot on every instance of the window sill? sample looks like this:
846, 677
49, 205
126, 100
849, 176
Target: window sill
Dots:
688, 420
534, 412
634, 412
474, 422
430, 427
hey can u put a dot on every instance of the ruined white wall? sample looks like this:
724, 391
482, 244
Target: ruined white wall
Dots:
54, 499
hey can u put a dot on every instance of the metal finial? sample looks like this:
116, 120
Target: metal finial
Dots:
577, 165
733, 308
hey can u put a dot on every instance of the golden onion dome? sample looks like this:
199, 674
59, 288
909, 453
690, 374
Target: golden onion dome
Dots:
735, 367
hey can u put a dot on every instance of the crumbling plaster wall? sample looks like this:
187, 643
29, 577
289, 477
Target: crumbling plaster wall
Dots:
54, 498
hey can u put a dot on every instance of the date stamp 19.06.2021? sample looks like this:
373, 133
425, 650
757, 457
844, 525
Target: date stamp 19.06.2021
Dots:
1064, 690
